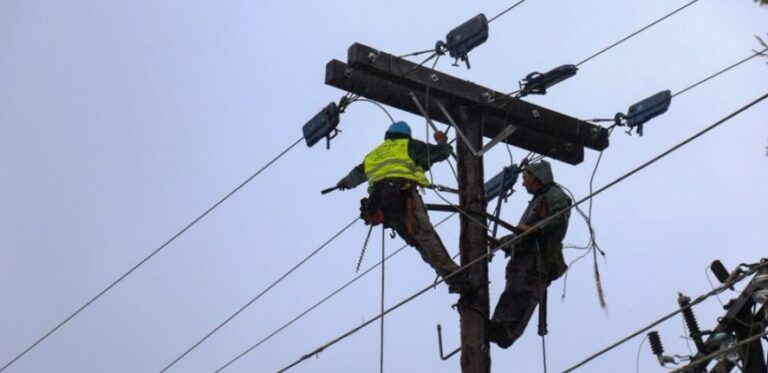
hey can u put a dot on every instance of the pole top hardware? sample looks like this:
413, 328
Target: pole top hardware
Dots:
537, 83
324, 123
644, 110
464, 38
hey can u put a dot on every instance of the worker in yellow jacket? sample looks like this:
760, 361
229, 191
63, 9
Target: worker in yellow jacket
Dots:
394, 171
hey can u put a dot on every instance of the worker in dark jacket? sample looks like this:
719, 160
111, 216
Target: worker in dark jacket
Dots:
394, 171
536, 260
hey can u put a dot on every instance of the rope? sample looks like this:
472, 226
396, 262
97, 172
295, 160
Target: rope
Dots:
525, 234
333, 294
696, 301
148, 257
636, 33
544, 352
381, 342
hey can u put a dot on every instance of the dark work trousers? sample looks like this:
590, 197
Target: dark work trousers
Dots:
524, 290
416, 229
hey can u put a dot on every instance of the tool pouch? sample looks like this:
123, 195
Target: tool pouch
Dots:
371, 215
387, 197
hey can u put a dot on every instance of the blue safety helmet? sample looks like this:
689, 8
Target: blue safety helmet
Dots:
400, 128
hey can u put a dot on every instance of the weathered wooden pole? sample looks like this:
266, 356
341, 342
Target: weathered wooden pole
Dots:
474, 305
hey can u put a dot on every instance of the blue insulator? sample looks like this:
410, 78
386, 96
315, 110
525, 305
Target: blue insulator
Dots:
322, 125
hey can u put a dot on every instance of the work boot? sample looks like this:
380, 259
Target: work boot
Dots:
498, 334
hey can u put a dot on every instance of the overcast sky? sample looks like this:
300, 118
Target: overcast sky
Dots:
123, 121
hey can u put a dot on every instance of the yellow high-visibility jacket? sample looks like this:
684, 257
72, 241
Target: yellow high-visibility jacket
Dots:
391, 160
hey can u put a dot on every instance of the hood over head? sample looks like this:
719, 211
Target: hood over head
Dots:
541, 170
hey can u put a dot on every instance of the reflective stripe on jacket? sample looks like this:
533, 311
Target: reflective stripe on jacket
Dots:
391, 160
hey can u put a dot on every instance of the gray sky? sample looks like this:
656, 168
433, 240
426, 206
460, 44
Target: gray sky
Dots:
123, 121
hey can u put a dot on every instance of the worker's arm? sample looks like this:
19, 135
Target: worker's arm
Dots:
556, 227
353, 178
425, 155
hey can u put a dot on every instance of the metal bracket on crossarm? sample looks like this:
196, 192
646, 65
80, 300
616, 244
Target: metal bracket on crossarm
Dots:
506, 132
510, 129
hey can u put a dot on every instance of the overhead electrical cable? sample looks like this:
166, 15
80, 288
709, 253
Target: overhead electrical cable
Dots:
533, 228
435, 52
723, 71
148, 257
325, 299
254, 299
505, 11
358, 99
514, 94
635, 33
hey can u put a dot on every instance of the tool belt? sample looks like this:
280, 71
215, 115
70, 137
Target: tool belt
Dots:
386, 197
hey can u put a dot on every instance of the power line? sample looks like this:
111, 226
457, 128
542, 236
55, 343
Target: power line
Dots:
375, 103
696, 301
636, 33
248, 304
254, 299
435, 52
719, 72
514, 95
526, 233
148, 257
505, 11
325, 299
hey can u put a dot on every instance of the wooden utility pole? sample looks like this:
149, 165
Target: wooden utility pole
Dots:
473, 308
479, 112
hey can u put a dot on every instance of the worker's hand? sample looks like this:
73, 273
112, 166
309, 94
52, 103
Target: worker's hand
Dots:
504, 243
441, 137
342, 184
523, 227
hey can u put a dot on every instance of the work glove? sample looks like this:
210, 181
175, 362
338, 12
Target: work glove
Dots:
342, 184
441, 137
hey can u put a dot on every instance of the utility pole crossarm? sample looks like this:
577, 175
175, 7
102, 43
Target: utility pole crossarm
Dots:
395, 94
489, 101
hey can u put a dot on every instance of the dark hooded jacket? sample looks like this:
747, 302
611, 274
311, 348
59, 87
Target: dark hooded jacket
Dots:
547, 239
